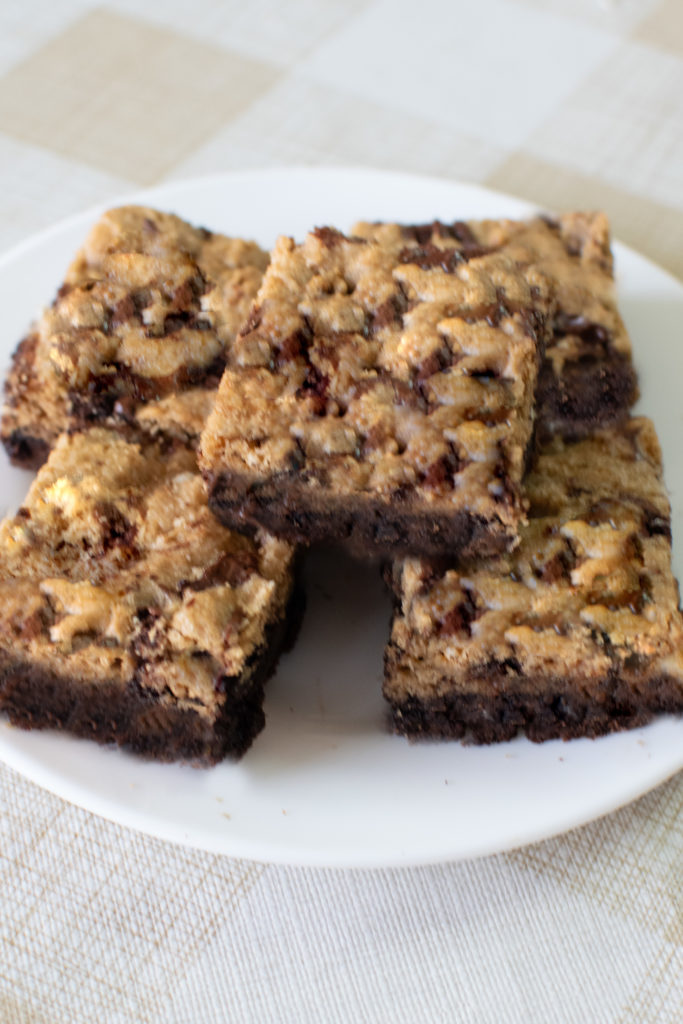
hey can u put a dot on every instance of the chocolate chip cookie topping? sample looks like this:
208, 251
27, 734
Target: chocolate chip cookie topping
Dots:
147, 311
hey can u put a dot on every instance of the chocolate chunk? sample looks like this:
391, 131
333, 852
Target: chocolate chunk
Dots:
315, 387
329, 237
437, 361
429, 257
253, 321
459, 231
116, 529
234, 567
293, 347
124, 408
443, 471
654, 523
389, 314
559, 567
460, 618
123, 310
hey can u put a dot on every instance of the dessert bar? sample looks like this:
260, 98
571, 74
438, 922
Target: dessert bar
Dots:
587, 379
136, 335
127, 613
381, 399
577, 632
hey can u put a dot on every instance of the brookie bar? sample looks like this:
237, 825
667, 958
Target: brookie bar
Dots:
136, 336
381, 399
577, 632
127, 613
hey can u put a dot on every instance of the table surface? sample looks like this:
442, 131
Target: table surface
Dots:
569, 103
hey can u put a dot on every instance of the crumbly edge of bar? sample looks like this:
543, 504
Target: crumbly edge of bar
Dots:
31, 411
565, 710
152, 725
176, 419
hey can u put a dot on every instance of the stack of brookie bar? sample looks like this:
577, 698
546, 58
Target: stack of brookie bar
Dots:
450, 401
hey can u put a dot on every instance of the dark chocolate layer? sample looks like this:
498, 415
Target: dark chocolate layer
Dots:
565, 711
586, 396
365, 525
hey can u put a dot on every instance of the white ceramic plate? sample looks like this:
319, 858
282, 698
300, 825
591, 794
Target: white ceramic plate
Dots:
325, 783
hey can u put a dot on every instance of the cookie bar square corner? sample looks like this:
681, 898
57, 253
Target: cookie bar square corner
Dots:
136, 336
587, 379
128, 615
381, 399
577, 632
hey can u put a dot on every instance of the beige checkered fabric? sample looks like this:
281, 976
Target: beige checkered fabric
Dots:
565, 102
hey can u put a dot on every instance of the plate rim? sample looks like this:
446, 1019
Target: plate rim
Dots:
300, 855
130, 816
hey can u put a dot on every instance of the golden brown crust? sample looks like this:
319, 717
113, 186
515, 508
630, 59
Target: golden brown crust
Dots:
147, 310
587, 378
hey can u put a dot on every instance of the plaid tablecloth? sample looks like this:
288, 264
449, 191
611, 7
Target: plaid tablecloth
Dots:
565, 102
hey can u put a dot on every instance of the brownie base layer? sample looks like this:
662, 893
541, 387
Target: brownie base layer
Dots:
367, 528
563, 712
585, 397
139, 720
